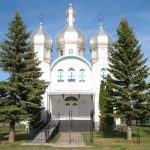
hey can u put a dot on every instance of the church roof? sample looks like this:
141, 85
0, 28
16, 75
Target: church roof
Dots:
41, 32
71, 57
100, 37
70, 34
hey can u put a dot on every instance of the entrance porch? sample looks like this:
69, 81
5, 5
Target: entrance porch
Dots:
75, 110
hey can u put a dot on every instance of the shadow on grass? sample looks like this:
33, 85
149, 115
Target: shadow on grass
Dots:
114, 134
3, 136
18, 136
146, 131
21, 137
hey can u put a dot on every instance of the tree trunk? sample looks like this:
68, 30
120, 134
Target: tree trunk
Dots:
12, 131
129, 130
141, 122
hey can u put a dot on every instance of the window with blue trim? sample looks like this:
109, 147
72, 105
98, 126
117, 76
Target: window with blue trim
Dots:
60, 75
71, 75
82, 75
103, 72
70, 51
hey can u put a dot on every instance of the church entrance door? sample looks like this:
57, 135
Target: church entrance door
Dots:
71, 108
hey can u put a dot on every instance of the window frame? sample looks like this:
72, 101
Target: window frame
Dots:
60, 75
71, 75
70, 51
81, 75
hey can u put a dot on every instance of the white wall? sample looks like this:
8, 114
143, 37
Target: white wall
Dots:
77, 64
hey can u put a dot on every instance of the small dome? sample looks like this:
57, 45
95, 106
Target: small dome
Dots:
100, 37
71, 34
40, 37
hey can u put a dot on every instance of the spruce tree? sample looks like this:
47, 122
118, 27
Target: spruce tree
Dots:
106, 105
129, 72
21, 94
102, 104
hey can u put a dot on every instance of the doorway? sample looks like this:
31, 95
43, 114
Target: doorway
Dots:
71, 108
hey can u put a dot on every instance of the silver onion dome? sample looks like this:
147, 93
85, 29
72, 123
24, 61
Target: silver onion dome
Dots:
41, 36
100, 37
71, 34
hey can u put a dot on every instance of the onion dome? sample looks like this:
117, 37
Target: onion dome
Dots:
41, 37
101, 37
71, 35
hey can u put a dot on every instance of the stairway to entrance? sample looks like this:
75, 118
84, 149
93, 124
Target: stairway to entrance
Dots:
44, 135
76, 125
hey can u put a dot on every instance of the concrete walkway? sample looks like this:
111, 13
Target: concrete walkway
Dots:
70, 139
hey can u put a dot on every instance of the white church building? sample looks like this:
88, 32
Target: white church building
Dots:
73, 81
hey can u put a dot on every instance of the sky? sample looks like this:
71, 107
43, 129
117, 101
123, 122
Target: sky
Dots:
88, 12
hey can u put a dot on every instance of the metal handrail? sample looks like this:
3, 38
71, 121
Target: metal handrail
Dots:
33, 133
44, 126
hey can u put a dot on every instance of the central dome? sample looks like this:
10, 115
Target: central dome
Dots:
71, 40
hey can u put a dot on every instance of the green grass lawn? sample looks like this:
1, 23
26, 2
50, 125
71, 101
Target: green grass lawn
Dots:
96, 146
19, 133
120, 135
115, 140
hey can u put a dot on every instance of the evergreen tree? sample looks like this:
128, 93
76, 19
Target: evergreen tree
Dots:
106, 105
102, 104
129, 72
21, 94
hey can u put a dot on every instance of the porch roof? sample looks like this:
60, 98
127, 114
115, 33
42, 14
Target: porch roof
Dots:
71, 93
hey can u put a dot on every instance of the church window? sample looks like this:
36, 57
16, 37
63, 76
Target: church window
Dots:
80, 52
61, 52
60, 75
82, 75
103, 72
70, 51
71, 98
67, 104
74, 104
71, 75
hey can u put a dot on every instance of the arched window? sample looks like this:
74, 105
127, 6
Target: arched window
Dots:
61, 52
103, 72
74, 104
67, 104
60, 75
71, 98
70, 51
82, 75
71, 75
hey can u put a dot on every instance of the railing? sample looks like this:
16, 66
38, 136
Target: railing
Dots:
45, 130
52, 129
33, 132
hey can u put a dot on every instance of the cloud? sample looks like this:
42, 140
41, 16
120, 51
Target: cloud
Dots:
143, 15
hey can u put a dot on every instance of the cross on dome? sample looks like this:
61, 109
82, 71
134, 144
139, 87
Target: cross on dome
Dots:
70, 14
101, 19
41, 18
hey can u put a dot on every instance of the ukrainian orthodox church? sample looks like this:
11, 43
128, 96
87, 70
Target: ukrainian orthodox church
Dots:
73, 81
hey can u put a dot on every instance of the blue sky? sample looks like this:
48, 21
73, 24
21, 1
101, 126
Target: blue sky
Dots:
87, 18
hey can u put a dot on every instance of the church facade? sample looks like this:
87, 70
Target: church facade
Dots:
73, 81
